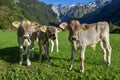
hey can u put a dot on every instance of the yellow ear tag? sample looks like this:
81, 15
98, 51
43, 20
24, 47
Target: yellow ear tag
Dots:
64, 27
35, 24
57, 31
83, 28
43, 29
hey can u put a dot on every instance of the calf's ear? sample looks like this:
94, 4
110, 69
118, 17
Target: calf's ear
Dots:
63, 25
35, 24
58, 30
43, 28
16, 24
85, 27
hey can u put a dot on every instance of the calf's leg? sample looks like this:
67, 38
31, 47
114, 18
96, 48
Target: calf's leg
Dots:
72, 59
52, 45
21, 54
57, 45
108, 50
47, 52
32, 50
28, 55
40, 49
102, 45
82, 58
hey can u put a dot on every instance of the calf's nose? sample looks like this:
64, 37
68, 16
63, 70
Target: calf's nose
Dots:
54, 37
26, 36
74, 38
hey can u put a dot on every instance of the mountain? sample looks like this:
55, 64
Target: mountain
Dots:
34, 10
110, 13
56, 11
68, 12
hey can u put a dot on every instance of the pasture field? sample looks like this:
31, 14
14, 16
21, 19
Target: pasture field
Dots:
58, 69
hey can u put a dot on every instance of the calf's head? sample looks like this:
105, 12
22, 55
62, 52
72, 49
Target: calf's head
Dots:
74, 29
51, 31
25, 29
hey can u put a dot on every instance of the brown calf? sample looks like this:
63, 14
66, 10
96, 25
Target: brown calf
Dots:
44, 34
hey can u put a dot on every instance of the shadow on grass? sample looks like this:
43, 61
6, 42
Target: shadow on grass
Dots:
10, 54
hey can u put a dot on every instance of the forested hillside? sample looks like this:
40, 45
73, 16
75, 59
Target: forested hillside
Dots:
11, 10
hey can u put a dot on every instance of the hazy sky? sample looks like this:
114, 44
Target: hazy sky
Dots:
56, 2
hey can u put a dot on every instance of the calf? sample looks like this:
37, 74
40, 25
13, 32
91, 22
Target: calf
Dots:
82, 35
26, 36
46, 33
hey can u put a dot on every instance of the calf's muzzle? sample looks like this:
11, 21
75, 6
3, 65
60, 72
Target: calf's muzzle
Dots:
74, 38
26, 37
53, 36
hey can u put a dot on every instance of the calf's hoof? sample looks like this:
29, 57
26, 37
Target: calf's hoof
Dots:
108, 64
49, 62
70, 67
29, 63
20, 63
104, 63
81, 71
39, 61
57, 51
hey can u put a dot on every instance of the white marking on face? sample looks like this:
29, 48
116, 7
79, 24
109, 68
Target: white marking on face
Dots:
26, 35
75, 46
27, 42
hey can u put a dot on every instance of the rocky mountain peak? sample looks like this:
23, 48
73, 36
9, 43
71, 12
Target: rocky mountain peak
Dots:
79, 10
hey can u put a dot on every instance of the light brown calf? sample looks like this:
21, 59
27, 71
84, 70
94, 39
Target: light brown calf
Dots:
26, 36
82, 35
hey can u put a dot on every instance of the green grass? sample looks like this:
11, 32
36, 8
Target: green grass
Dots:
58, 69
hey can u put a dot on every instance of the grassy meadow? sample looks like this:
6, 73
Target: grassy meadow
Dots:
58, 69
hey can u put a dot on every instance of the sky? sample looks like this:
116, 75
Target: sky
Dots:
64, 2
